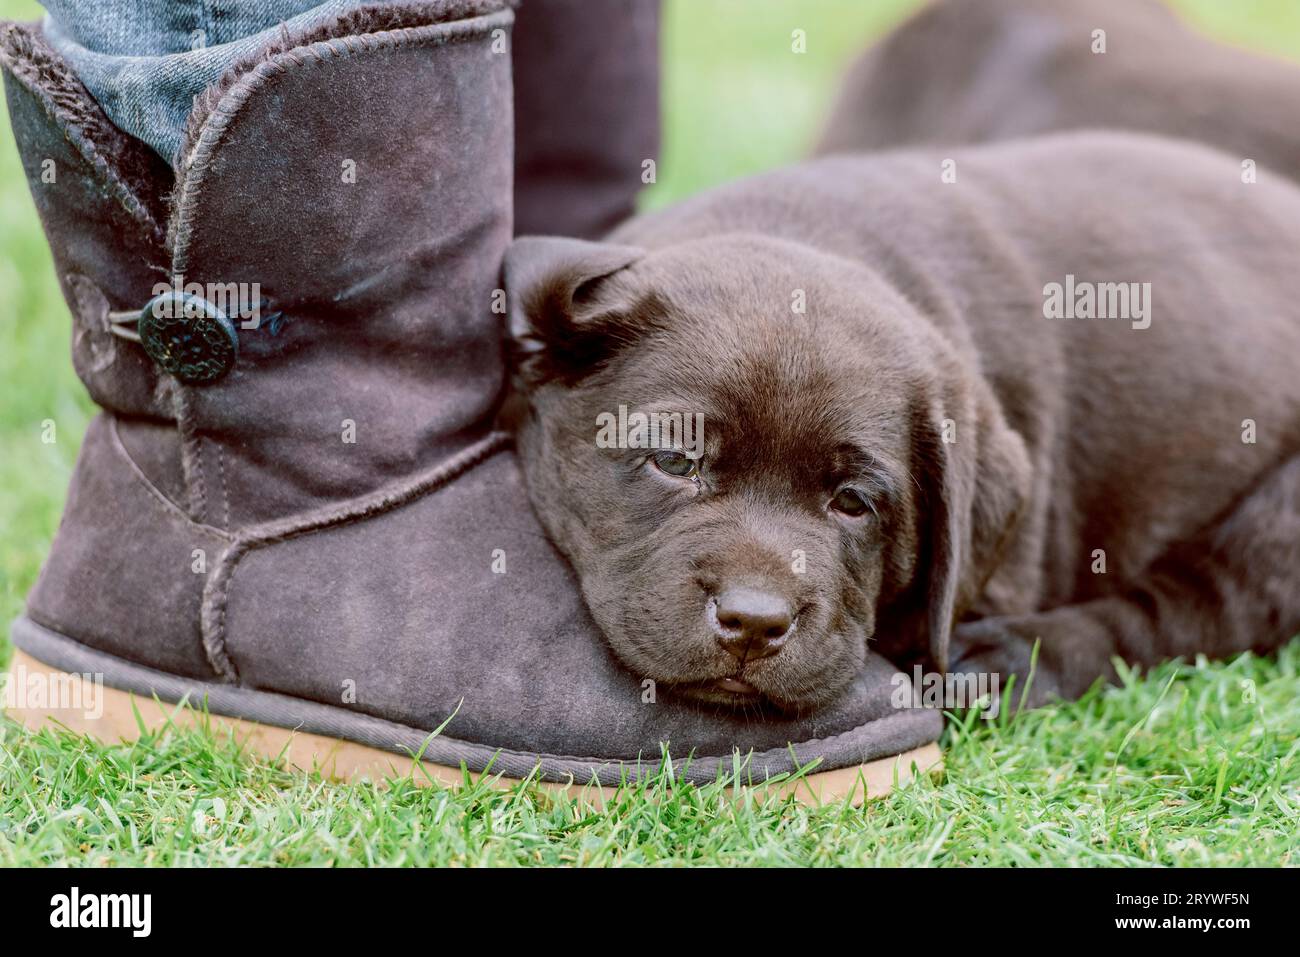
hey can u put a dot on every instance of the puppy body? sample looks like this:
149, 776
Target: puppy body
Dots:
1100, 485
969, 71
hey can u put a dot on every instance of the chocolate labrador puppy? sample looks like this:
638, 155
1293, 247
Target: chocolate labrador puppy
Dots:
954, 404
968, 71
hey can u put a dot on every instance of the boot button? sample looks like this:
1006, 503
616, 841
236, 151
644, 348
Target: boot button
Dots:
188, 337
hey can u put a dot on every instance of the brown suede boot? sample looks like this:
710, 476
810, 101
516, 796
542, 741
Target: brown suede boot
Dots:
293, 506
586, 112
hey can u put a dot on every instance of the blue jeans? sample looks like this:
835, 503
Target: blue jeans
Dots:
144, 61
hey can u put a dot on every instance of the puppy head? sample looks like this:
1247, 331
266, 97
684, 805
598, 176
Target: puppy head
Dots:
851, 479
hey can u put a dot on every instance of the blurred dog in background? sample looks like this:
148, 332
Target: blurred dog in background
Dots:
972, 71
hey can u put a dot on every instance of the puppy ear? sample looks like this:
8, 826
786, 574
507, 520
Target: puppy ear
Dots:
980, 477
564, 316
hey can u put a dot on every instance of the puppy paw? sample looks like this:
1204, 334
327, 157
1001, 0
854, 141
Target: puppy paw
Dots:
1004, 647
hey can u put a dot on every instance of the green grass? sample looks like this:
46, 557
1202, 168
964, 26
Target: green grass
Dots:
1194, 764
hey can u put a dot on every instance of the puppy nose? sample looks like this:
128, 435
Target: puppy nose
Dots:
751, 623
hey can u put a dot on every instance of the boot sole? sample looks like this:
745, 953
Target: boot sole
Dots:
122, 716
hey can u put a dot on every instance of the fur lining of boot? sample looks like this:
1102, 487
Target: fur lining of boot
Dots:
130, 170
377, 18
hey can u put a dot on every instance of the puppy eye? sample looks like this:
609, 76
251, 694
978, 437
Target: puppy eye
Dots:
850, 502
676, 463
